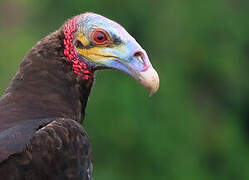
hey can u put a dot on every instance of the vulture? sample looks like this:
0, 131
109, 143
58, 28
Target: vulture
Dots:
41, 112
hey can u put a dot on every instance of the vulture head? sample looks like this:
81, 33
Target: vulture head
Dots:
93, 42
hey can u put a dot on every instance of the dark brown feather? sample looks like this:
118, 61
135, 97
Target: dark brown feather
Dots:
60, 150
40, 115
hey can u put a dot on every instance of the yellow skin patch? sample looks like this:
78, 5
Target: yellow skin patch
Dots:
94, 54
98, 53
83, 39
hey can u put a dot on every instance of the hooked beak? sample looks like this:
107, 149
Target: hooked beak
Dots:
149, 79
147, 76
129, 58
138, 66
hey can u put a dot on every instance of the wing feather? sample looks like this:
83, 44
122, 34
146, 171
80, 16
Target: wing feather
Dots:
59, 150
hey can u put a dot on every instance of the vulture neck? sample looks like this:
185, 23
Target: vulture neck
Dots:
45, 85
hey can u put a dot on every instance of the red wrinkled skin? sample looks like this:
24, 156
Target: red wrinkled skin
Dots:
79, 67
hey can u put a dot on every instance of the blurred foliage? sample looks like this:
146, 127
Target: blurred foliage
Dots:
197, 125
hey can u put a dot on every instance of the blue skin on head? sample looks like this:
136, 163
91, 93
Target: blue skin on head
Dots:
122, 53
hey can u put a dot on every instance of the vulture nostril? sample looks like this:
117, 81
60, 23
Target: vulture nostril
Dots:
139, 55
143, 58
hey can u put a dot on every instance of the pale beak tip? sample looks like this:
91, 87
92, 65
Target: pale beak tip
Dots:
154, 88
153, 91
150, 80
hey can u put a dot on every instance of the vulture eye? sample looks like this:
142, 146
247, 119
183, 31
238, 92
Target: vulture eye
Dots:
100, 37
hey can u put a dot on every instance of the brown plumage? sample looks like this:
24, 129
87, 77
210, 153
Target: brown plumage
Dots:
38, 114
59, 150
42, 110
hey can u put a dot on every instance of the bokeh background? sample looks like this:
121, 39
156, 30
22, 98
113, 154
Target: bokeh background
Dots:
197, 126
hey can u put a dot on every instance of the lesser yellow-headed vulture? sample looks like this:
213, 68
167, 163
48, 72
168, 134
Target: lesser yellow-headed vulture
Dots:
41, 137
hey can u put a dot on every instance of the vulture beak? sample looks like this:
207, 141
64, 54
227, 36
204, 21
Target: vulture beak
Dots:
149, 79
139, 67
128, 57
133, 60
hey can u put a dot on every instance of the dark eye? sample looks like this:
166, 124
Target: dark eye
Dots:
100, 37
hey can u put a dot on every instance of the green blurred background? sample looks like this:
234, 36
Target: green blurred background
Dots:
197, 126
